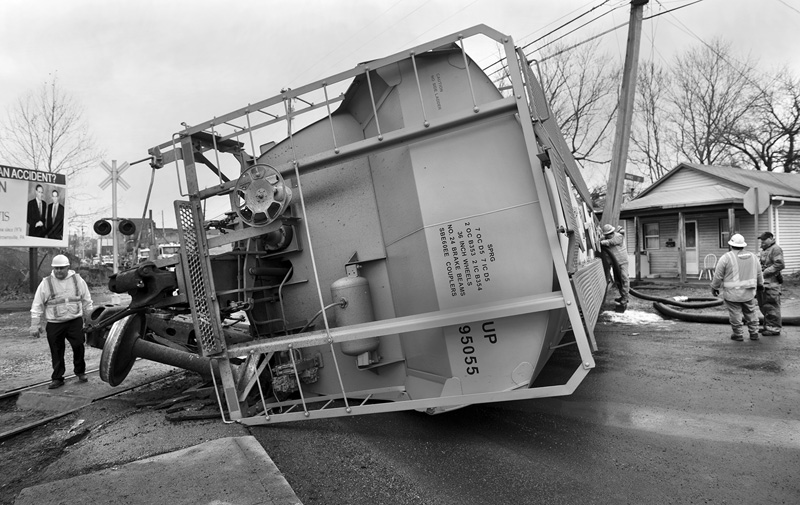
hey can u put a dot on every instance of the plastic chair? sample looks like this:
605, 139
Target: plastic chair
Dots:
709, 264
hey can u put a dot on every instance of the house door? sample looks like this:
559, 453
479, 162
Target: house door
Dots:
690, 239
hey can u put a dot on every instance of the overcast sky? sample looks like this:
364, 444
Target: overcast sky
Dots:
138, 68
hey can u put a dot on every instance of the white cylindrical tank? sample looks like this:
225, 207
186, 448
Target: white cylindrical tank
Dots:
357, 309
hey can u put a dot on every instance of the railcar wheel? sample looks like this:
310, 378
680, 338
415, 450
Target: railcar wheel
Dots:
118, 358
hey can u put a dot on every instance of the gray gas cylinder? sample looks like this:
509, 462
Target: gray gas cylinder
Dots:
357, 309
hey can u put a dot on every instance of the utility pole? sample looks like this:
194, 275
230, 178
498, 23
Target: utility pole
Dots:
619, 154
33, 266
115, 238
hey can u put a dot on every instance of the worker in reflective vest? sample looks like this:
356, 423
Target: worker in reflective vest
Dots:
738, 273
64, 299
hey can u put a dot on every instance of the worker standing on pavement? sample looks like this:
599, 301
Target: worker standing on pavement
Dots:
613, 242
769, 300
739, 275
64, 299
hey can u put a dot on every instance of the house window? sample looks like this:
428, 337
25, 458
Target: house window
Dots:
725, 233
651, 236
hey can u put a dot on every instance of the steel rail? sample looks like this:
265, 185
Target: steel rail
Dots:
39, 422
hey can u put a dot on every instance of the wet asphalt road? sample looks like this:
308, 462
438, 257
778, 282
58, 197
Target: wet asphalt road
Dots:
674, 412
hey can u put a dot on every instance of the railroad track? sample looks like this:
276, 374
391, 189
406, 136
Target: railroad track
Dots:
12, 393
33, 405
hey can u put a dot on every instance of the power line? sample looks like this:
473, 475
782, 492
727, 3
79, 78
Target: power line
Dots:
570, 48
568, 23
542, 28
579, 27
609, 30
671, 10
501, 60
736, 68
789, 6
595, 36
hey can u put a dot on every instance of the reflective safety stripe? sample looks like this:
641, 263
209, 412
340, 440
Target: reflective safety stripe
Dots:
66, 299
735, 281
740, 284
52, 300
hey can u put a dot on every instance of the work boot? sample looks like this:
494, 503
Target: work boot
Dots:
82, 377
754, 336
55, 383
770, 333
737, 338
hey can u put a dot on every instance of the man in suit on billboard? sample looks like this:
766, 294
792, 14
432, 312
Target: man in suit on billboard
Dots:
37, 214
55, 218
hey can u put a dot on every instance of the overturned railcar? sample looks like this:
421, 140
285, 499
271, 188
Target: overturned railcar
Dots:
407, 234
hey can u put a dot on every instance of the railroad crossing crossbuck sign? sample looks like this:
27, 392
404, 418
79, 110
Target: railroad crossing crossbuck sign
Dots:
110, 170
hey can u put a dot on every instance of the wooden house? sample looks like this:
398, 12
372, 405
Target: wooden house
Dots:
682, 223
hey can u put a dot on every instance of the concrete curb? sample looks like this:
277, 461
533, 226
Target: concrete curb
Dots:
234, 470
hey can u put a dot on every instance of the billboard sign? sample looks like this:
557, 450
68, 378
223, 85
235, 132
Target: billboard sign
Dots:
33, 208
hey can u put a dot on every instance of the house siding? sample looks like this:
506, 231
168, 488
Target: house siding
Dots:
665, 260
690, 179
630, 235
708, 241
787, 234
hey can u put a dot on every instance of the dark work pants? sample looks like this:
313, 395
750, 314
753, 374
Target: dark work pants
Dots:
58, 334
769, 301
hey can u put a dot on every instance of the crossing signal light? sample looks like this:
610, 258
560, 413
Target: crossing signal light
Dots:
127, 227
102, 227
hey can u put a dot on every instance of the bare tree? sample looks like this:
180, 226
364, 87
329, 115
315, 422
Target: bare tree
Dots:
648, 136
45, 131
581, 86
711, 96
767, 138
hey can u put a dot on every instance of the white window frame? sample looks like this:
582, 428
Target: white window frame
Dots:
647, 238
724, 232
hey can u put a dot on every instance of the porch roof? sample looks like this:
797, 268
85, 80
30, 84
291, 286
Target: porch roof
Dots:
777, 184
717, 195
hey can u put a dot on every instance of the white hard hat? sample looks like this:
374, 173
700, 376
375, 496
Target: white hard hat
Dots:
59, 260
737, 241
